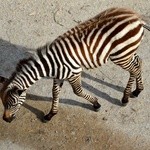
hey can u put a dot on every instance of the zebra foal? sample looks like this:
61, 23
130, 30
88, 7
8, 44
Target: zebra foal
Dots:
114, 34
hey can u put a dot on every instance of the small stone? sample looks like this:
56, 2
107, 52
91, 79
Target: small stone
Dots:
104, 118
32, 13
88, 139
56, 132
73, 133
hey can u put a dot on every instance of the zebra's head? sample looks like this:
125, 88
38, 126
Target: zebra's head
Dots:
12, 98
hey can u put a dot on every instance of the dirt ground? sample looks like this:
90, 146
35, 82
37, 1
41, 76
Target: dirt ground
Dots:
26, 25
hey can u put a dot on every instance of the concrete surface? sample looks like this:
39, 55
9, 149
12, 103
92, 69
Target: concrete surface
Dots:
26, 25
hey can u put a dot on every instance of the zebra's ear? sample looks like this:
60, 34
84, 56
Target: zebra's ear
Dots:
18, 91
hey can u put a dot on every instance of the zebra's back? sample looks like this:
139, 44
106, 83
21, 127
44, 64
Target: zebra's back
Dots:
115, 32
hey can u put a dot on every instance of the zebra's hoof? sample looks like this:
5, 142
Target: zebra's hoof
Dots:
96, 106
134, 94
124, 101
48, 117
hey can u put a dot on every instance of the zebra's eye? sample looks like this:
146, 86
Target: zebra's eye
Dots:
6, 106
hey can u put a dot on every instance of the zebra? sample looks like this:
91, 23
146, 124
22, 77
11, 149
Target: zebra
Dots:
114, 34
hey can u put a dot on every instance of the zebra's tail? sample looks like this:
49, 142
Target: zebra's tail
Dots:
146, 27
146, 22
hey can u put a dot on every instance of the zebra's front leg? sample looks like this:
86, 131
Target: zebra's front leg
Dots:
57, 84
75, 82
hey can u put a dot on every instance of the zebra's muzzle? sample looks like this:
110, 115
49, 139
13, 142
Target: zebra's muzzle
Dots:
9, 119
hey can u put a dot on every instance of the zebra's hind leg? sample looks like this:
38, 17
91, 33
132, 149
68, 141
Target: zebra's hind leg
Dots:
75, 82
133, 66
139, 83
57, 84
138, 89
127, 91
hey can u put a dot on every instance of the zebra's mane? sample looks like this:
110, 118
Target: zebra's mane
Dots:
99, 19
22, 63
19, 66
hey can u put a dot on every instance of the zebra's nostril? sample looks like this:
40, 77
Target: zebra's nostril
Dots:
9, 119
13, 116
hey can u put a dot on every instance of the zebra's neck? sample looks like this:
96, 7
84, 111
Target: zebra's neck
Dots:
28, 71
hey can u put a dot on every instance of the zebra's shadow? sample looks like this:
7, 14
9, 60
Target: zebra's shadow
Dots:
99, 93
10, 55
